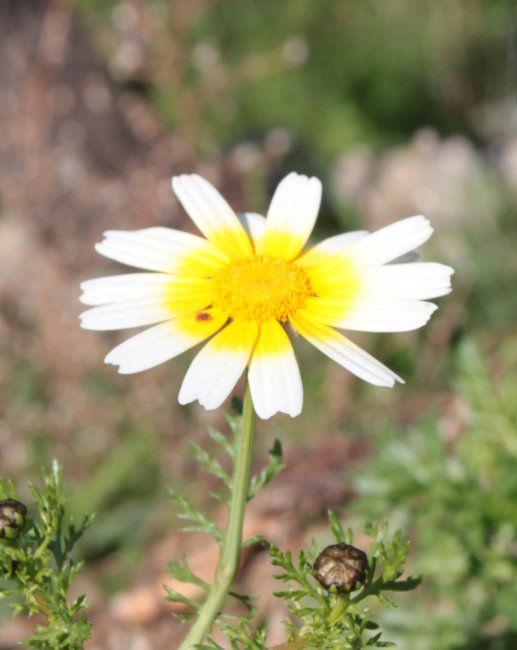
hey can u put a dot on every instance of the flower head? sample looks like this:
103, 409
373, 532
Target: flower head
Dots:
12, 518
341, 566
248, 278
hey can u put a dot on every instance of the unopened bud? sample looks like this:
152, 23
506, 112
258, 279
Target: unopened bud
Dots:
341, 566
12, 518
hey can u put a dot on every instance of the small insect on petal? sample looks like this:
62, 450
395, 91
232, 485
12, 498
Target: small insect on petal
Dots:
203, 316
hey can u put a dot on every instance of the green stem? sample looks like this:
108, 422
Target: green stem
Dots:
339, 607
295, 644
43, 608
231, 549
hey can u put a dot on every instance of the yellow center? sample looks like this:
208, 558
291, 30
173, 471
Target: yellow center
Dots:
259, 288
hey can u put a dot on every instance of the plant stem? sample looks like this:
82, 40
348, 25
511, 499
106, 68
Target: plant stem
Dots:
42, 606
295, 644
231, 550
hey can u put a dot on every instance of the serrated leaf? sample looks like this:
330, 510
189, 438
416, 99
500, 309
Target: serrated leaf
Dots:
235, 424
337, 528
184, 617
403, 585
372, 641
7, 490
222, 498
256, 539
174, 596
237, 404
246, 600
222, 441
200, 521
282, 576
182, 572
371, 625
212, 645
269, 472
386, 600
210, 465
294, 594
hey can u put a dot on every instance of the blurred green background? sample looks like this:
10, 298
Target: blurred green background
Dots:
400, 108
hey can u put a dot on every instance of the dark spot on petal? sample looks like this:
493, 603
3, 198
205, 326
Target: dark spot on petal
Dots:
202, 315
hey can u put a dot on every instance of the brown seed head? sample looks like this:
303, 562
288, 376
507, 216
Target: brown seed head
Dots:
12, 518
341, 566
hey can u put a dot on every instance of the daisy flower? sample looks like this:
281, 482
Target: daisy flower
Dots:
246, 281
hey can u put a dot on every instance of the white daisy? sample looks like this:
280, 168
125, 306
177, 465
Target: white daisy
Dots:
245, 280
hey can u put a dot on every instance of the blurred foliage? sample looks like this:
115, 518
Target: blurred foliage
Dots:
335, 73
455, 487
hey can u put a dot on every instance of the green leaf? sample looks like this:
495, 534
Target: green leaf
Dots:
182, 572
40, 567
222, 441
210, 465
256, 539
337, 528
7, 490
200, 521
237, 404
269, 472
244, 599
403, 585
174, 596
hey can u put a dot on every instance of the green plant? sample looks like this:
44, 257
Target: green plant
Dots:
321, 618
37, 567
457, 495
328, 619
238, 489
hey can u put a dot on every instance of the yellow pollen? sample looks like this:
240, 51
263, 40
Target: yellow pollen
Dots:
259, 288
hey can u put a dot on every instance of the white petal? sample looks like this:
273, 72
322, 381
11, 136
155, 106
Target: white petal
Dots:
391, 242
292, 215
274, 375
339, 243
412, 256
255, 226
343, 351
119, 288
419, 281
163, 342
161, 249
371, 314
122, 315
217, 367
323, 251
212, 215
180, 294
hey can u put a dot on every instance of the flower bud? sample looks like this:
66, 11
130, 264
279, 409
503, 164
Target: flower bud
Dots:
341, 566
12, 518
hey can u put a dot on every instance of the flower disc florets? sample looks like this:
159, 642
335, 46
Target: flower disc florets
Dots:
259, 288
